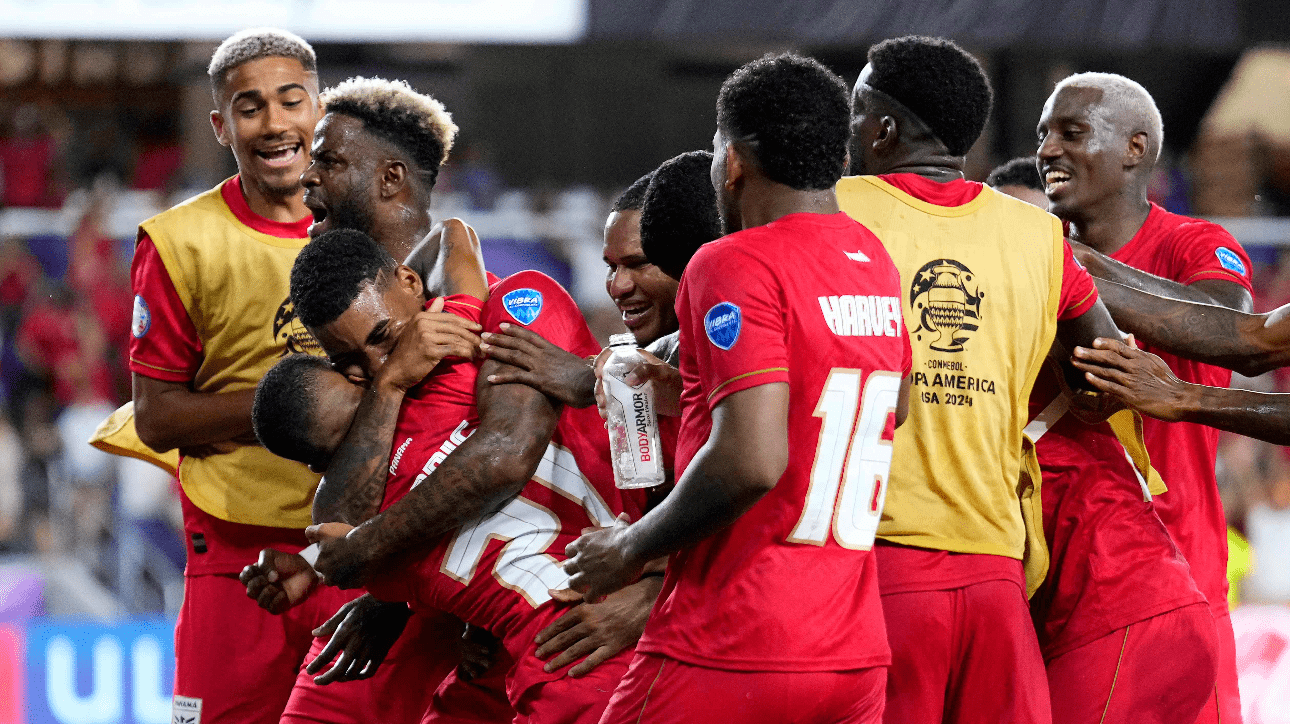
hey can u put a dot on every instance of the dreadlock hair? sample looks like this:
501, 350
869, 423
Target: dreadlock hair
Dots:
939, 82
679, 213
285, 406
1020, 171
794, 114
252, 44
393, 111
634, 197
330, 271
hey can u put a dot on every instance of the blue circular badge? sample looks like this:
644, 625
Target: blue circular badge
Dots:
141, 319
723, 323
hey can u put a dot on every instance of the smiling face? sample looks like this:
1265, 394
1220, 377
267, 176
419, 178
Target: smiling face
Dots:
361, 338
341, 184
645, 296
266, 116
1082, 151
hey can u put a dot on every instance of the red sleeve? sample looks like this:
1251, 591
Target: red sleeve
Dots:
1204, 250
163, 341
1079, 292
462, 305
734, 308
536, 301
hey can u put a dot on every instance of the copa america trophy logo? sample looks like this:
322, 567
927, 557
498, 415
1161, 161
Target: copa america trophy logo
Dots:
947, 302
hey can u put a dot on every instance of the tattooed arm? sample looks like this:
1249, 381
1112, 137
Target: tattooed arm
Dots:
1247, 343
1207, 291
515, 426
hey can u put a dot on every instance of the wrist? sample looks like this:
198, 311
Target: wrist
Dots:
1189, 400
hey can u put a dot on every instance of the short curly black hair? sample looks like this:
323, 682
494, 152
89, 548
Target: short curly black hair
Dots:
285, 406
393, 111
795, 113
1020, 171
939, 82
330, 270
680, 212
634, 197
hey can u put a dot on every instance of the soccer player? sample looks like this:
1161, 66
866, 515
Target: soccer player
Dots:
1019, 179
211, 315
351, 293
792, 356
1119, 598
1100, 136
990, 284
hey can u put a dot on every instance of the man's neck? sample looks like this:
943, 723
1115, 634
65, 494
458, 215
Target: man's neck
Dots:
937, 168
1110, 224
767, 201
401, 234
281, 209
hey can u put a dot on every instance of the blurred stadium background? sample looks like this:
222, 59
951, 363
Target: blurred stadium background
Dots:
104, 121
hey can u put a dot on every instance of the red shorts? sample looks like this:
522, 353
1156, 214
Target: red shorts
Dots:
964, 655
1224, 703
401, 690
236, 663
541, 699
1160, 670
661, 690
479, 701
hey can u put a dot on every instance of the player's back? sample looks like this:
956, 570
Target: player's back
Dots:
811, 300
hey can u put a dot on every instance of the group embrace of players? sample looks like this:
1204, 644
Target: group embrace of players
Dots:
896, 497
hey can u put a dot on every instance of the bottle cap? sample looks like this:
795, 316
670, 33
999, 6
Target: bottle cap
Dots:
622, 340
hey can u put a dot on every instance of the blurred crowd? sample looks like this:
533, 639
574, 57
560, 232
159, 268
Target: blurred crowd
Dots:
65, 316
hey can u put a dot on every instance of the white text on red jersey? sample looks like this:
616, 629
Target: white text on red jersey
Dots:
860, 315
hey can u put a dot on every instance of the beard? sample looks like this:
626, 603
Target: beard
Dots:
352, 212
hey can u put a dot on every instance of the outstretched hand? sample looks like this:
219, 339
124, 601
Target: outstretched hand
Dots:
595, 632
361, 632
1141, 379
426, 340
598, 565
278, 580
535, 362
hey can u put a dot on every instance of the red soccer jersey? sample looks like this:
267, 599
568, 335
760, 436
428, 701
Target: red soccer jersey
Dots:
1189, 250
1112, 561
496, 572
812, 300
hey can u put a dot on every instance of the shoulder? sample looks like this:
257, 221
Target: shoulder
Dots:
525, 295
206, 201
528, 279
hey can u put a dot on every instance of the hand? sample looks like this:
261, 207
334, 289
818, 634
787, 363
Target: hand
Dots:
541, 365
478, 653
1141, 379
362, 632
666, 379
428, 338
278, 580
597, 564
598, 630
341, 560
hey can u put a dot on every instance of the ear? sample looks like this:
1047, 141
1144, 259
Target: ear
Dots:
394, 178
736, 167
409, 281
888, 133
1136, 151
217, 123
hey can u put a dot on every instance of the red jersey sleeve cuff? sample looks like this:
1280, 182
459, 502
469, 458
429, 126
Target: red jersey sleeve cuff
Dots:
1222, 274
746, 381
165, 374
1079, 308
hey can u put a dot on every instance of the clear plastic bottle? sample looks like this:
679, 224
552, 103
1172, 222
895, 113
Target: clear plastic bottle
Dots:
633, 422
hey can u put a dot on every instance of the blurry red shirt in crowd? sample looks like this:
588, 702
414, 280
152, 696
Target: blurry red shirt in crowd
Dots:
28, 165
66, 342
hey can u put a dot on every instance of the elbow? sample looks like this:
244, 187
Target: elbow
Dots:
764, 472
152, 432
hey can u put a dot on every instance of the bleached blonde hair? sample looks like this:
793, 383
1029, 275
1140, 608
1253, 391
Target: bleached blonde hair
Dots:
1128, 102
251, 44
394, 111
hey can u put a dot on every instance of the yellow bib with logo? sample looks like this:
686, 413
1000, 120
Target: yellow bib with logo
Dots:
234, 282
982, 285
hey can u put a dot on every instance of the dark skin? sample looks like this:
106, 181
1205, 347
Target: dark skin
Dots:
1144, 382
887, 138
747, 450
265, 114
1097, 158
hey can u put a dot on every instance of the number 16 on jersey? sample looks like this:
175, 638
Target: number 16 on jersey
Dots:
849, 476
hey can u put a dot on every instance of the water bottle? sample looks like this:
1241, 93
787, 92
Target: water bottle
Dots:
633, 423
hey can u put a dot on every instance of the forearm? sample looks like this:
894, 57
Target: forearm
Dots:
170, 416
1104, 267
1260, 415
352, 490
1199, 331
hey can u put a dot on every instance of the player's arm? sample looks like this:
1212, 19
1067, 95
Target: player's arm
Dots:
492, 465
1206, 291
170, 415
532, 360
354, 484
1144, 382
458, 265
1247, 343
743, 459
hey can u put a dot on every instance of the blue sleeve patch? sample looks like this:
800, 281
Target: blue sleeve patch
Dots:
523, 304
723, 323
141, 320
1230, 260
